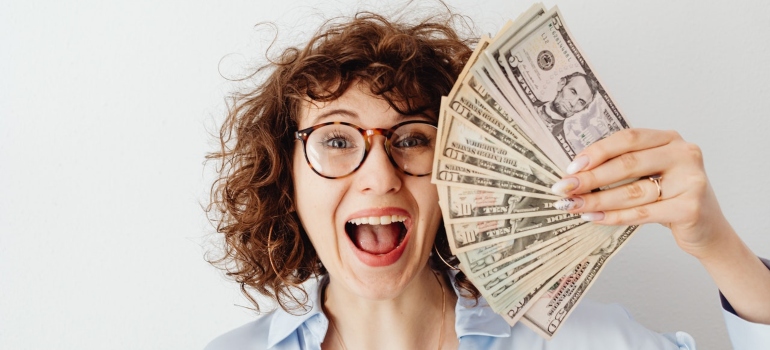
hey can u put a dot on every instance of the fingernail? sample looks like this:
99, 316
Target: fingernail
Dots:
577, 164
563, 186
595, 216
568, 203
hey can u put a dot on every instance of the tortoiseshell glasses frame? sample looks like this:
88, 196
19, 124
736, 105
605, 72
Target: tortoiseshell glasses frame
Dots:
415, 145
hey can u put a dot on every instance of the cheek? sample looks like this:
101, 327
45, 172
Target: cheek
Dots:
304, 192
427, 197
316, 201
433, 195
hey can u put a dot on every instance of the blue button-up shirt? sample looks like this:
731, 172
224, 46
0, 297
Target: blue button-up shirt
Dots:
591, 326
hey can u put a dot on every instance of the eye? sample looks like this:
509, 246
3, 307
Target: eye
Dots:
411, 140
337, 140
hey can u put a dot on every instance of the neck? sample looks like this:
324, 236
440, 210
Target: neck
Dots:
410, 320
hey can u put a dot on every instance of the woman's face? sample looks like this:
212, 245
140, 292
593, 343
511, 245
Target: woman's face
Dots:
376, 259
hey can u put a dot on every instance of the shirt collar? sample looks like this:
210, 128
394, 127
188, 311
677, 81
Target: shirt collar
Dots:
470, 318
284, 323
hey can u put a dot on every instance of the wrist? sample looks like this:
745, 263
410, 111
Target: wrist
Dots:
717, 241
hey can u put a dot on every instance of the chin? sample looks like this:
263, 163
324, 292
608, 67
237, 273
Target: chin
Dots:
384, 282
383, 285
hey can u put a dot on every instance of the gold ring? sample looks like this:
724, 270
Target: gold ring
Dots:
656, 179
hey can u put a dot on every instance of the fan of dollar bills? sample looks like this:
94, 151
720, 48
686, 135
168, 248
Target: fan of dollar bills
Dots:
524, 105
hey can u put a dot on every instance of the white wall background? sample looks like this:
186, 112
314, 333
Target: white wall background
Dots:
105, 109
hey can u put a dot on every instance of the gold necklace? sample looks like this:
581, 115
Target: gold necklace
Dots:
443, 311
440, 331
337, 333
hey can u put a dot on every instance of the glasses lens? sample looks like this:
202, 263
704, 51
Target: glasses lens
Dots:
411, 147
335, 150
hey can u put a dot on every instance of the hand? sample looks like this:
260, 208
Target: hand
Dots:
685, 202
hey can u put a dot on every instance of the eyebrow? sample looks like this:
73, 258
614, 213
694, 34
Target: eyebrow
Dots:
350, 114
337, 111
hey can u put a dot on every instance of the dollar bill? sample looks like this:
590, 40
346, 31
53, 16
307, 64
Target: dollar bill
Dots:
549, 311
492, 75
482, 73
473, 66
466, 108
524, 105
518, 307
490, 104
464, 145
455, 174
474, 204
466, 235
559, 88
481, 262
485, 97
470, 101
506, 292
537, 245
519, 302
553, 266
515, 269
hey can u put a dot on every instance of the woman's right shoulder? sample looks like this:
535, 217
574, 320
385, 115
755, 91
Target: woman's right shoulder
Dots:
250, 336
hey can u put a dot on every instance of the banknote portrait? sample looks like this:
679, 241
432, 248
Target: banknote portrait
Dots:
574, 93
575, 113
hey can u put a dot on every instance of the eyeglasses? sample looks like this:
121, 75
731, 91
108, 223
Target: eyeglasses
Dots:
337, 149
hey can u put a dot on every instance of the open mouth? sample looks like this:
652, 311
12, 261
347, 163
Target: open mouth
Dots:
377, 235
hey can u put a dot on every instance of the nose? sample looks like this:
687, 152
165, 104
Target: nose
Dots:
377, 175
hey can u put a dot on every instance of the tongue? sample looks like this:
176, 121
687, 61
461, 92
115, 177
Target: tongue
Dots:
377, 239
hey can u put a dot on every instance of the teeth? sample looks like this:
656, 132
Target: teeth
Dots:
378, 220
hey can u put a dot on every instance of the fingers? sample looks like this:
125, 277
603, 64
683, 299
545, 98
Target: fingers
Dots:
621, 143
636, 193
664, 212
621, 164
653, 152
626, 166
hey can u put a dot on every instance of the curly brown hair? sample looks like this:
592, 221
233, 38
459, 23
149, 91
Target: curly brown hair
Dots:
409, 65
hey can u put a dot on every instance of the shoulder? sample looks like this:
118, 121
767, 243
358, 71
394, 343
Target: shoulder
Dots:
610, 326
594, 325
251, 336
284, 327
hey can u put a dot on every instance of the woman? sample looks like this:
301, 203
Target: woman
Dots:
367, 229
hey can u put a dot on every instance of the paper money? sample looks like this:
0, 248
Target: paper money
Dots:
528, 293
485, 260
466, 204
558, 87
514, 287
553, 307
516, 269
462, 144
524, 105
455, 174
467, 235
470, 101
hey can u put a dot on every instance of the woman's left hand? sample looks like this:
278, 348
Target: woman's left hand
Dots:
682, 198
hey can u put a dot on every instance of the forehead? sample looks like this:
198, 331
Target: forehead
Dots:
353, 106
357, 105
578, 82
